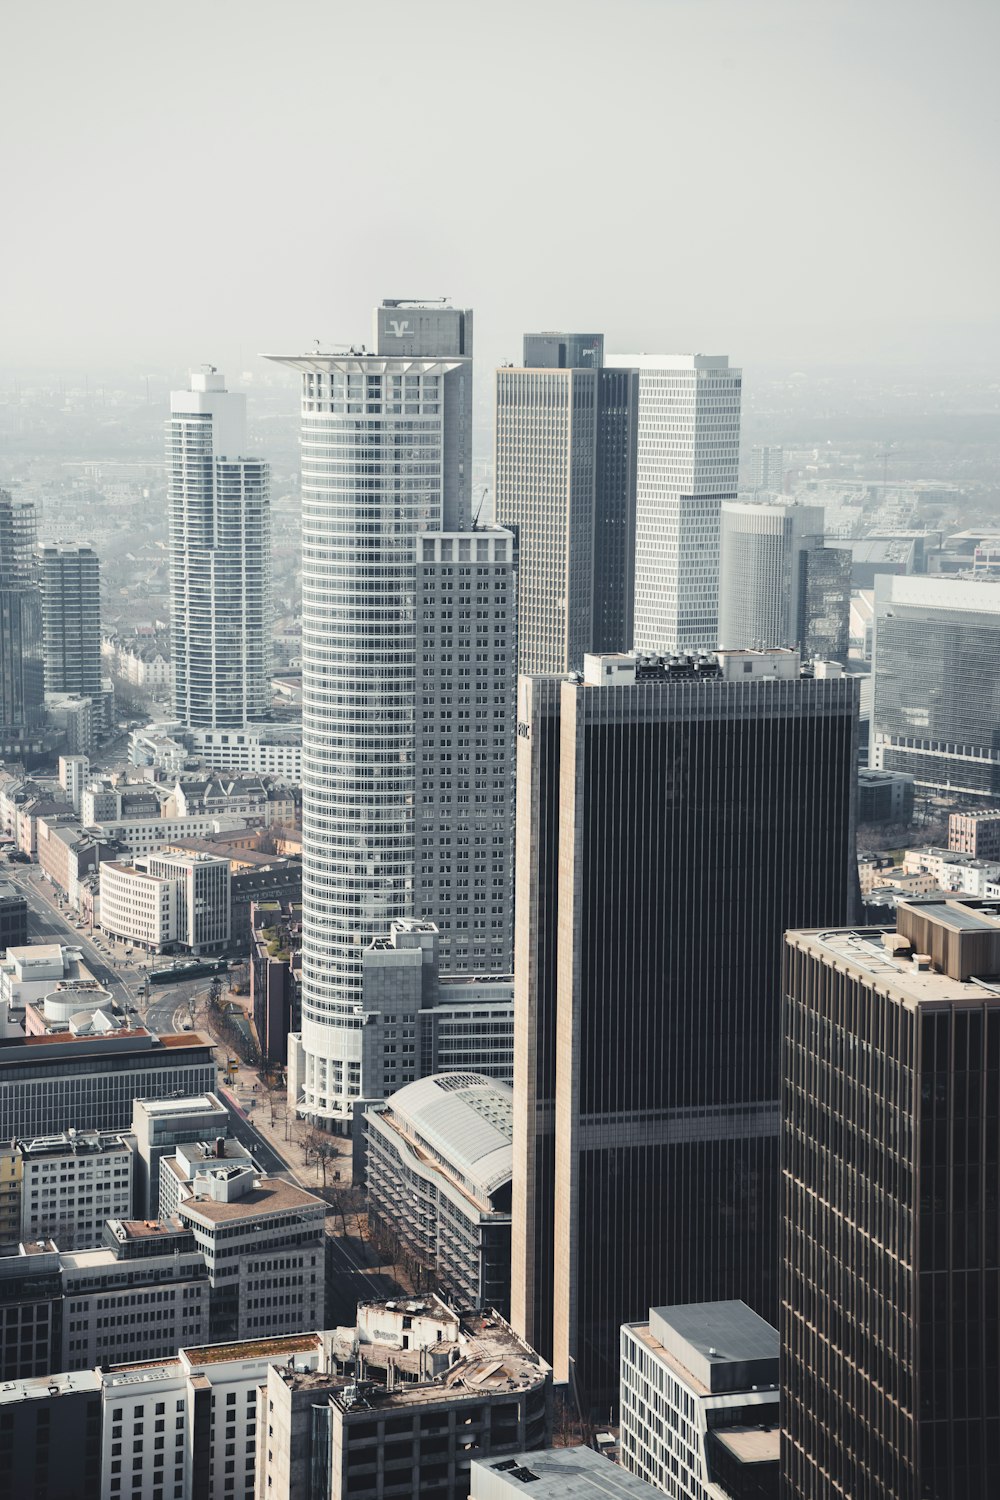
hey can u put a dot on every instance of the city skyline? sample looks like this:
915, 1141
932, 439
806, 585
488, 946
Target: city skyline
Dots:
712, 260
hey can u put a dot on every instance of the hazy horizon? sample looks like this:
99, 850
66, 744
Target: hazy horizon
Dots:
777, 181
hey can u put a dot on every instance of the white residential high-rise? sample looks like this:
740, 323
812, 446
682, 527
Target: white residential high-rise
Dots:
220, 558
687, 465
390, 632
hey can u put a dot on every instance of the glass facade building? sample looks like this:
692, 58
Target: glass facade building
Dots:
687, 464
697, 812
890, 1276
936, 672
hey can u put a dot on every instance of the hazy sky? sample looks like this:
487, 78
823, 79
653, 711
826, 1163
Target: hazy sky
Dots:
812, 179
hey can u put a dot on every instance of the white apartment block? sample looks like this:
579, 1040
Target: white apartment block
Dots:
159, 1127
263, 1241
191, 1160
204, 908
144, 835
218, 510
168, 899
140, 1295
954, 872
687, 465
188, 1426
139, 907
254, 749
699, 1400
74, 773
71, 1184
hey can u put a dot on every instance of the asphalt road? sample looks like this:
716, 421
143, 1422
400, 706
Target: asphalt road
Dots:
46, 924
348, 1283
263, 1153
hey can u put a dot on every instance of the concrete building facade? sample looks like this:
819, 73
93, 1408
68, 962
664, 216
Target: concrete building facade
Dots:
699, 1402
414, 1392
49, 1083
937, 684
565, 455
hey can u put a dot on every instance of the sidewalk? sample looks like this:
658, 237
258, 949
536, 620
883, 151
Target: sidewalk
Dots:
305, 1149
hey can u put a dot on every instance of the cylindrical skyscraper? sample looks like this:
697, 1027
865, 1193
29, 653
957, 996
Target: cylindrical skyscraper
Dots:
386, 448
220, 559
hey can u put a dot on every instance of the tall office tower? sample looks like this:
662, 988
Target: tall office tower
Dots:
688, 452
22, 683
466, 620
673, 820
767, 469
565, 485
779, 585
70, 580
386, 448
936, 683
890, 1280
219, 518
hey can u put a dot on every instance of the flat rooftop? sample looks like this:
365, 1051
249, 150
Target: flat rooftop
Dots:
44, 1387
862, 952
247, 1349
574, 1472
721, 1331
196, 1104
271, 1196
751, 1445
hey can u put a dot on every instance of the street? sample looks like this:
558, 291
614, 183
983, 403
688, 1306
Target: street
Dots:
47, 924
279, 1145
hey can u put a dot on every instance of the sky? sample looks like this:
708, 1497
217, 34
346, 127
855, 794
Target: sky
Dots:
804, 180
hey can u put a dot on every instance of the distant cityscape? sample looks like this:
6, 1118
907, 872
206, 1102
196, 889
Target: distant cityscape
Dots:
500, 927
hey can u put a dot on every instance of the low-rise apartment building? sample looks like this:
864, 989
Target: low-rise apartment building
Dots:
264, 1245
159, 1126
165, 902
68, 1186
181, 1428
140, 1295
699, 1401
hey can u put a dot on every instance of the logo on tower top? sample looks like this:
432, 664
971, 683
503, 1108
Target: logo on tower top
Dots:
400, 329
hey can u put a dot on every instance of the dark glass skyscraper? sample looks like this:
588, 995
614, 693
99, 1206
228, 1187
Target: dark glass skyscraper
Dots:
890, 1281
936, 682
700, 806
